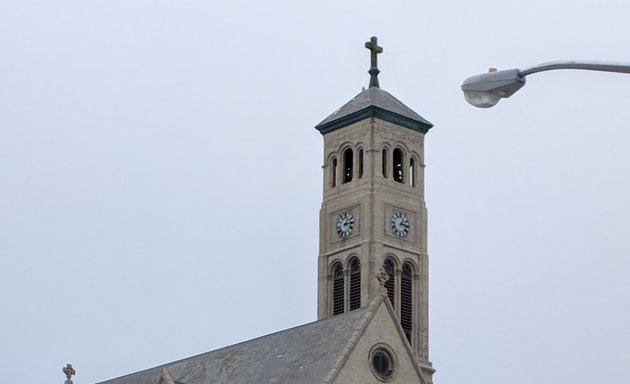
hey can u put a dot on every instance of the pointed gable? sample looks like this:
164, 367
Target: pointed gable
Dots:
380, 332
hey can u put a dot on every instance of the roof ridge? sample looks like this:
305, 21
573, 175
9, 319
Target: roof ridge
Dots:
200, 359
370, 311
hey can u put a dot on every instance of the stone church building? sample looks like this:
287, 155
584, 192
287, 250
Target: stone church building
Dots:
372, 322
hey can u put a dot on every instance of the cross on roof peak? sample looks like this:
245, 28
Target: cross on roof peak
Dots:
69, 371
372, 45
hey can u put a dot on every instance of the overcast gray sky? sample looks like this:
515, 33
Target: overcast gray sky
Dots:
160, 179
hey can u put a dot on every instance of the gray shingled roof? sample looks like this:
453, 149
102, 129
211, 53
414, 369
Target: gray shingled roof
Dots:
305, 355
374, 102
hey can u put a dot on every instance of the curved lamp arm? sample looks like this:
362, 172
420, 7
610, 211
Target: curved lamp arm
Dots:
487, 89
575, 64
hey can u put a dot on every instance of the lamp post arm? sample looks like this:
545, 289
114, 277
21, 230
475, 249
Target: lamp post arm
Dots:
575, 64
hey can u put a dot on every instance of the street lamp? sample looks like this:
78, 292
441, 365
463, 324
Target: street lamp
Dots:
485, 90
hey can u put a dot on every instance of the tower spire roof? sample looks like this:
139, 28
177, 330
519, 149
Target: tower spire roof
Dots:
374, 102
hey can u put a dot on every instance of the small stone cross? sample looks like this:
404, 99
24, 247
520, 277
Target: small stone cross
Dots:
382, 276
69, 371
372, 45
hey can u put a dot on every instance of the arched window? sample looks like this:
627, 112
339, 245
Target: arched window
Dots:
412, 172
360, 163
333, 173
355, 284
337, 289
390, 268
406, 300
347, 165
398, 165
385, 162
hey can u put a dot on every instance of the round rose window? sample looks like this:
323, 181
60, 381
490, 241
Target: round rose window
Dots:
382, 364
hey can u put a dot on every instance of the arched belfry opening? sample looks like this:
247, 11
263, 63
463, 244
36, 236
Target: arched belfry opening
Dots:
345, 286
406, 300
338, 302
360, 163
390, 285
398, 168
354, 288
384, 163
348, 165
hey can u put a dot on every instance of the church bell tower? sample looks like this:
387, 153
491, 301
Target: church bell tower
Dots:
373, 219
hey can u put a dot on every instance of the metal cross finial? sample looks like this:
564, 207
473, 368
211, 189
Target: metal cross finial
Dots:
375, 50
69, 371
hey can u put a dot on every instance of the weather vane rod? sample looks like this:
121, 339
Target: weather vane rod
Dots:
375, 50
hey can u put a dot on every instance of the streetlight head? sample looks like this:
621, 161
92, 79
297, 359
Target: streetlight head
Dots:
485, 90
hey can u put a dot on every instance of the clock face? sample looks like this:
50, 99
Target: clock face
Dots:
400, 224
345, 224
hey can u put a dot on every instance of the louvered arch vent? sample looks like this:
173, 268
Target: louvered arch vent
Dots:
337, 289
355, 284
406, 300
390, 268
